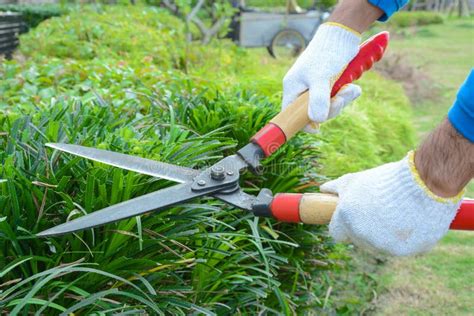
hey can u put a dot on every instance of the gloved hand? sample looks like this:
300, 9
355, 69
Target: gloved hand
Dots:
390, 209
319, 66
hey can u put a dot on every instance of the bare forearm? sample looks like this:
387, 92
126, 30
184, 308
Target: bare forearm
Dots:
445, 160
356, 14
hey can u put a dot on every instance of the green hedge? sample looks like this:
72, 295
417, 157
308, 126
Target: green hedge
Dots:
282, 3
188, 105
415, 18
114, 32
33, 15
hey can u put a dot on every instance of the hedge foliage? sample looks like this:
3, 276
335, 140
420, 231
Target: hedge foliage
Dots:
415, 18
174, 102
93, 34
33, 15
282, 3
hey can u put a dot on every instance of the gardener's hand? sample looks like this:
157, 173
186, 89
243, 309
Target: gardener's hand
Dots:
390, 209
405, 207
318, 67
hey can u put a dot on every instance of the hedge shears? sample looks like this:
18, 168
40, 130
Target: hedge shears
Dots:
221, 180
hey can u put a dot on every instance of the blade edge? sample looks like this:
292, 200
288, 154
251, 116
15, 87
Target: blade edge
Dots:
128, 162
143, 204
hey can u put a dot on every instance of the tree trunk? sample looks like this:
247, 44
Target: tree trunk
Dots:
463, 8
293, 7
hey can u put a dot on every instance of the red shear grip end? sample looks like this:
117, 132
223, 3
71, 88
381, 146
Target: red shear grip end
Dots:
464, 219
269, 138
285, 207
370, 52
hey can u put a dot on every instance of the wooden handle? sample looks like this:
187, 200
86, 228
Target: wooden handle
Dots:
318, 208
295, 117
308, 208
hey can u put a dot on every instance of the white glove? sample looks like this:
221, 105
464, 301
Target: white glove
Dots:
319, 66
390, 209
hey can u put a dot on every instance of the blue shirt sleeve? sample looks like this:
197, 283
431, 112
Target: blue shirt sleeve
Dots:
389, 7
461, 114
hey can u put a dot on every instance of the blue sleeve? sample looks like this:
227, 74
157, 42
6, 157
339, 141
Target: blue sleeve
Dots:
389, 7
461, 114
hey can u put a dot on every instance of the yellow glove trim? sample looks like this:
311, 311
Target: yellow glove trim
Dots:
344, 27
421, 183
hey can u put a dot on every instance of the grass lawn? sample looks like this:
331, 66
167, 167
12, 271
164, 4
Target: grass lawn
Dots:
441, 282
446, 53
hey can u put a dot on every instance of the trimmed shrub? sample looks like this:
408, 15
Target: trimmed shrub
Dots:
221, 259
33, 15
282, 3
130, 33
415, 18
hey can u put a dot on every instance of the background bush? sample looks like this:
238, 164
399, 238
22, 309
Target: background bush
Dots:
282, 3
188, 105
33, 15
415, 18
112, 32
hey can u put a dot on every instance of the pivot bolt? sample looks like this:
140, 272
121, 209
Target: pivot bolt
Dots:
201, 183
218, 173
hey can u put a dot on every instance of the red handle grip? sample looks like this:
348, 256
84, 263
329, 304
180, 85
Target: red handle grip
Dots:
295, 117
464, 219
370, 52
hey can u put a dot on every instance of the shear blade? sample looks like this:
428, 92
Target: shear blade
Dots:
155, 201
141, 165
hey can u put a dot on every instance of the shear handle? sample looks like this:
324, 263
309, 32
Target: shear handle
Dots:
317, 208
295, 117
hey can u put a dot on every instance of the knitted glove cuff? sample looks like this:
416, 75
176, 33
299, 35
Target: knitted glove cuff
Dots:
347, 28
424, 187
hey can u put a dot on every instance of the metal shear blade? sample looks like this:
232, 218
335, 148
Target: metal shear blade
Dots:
132, 163
189, 188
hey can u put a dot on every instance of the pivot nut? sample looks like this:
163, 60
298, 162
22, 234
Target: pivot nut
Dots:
218, 173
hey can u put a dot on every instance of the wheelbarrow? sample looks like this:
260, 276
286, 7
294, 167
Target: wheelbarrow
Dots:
284, 34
